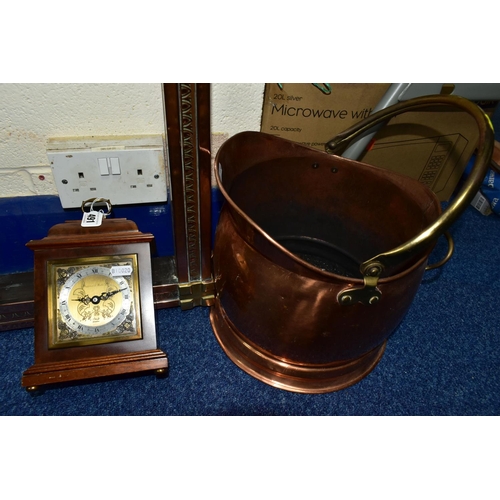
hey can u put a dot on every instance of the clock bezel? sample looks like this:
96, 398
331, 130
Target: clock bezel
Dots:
57, 324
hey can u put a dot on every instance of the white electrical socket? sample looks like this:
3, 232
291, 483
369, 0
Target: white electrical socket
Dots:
126, 170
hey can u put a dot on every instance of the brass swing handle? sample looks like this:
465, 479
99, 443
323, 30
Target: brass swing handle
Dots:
375, 266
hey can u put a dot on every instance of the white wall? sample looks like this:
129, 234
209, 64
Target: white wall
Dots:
31, 113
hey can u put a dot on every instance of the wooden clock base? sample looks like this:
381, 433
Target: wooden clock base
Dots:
41, 374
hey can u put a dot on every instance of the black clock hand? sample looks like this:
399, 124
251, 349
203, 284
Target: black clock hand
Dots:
86, 299
107, 295
97, 298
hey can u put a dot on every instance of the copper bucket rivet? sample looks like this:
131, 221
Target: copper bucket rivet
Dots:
313, 273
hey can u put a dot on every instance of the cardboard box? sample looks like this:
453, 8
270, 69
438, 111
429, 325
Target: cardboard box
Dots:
304, 113
429, 145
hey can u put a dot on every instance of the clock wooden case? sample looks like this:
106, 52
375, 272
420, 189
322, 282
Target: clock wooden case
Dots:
94, 307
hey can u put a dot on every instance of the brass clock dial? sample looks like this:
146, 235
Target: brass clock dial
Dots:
94, 300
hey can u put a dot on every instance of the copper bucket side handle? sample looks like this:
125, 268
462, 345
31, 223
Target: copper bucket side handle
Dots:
374, 267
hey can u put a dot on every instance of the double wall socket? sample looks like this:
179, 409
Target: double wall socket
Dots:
126, 170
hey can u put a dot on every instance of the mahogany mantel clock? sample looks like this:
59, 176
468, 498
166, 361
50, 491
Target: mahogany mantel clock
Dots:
94, 309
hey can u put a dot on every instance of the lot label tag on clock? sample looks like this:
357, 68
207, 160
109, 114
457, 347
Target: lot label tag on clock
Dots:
92, 219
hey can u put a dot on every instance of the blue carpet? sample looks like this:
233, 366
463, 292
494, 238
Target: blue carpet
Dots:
444, 359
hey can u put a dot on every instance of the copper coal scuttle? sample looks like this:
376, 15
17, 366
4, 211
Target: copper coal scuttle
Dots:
317, 258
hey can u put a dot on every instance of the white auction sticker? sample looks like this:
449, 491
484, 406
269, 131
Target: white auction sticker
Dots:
121, 270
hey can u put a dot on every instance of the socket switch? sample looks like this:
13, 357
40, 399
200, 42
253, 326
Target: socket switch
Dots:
126, 170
